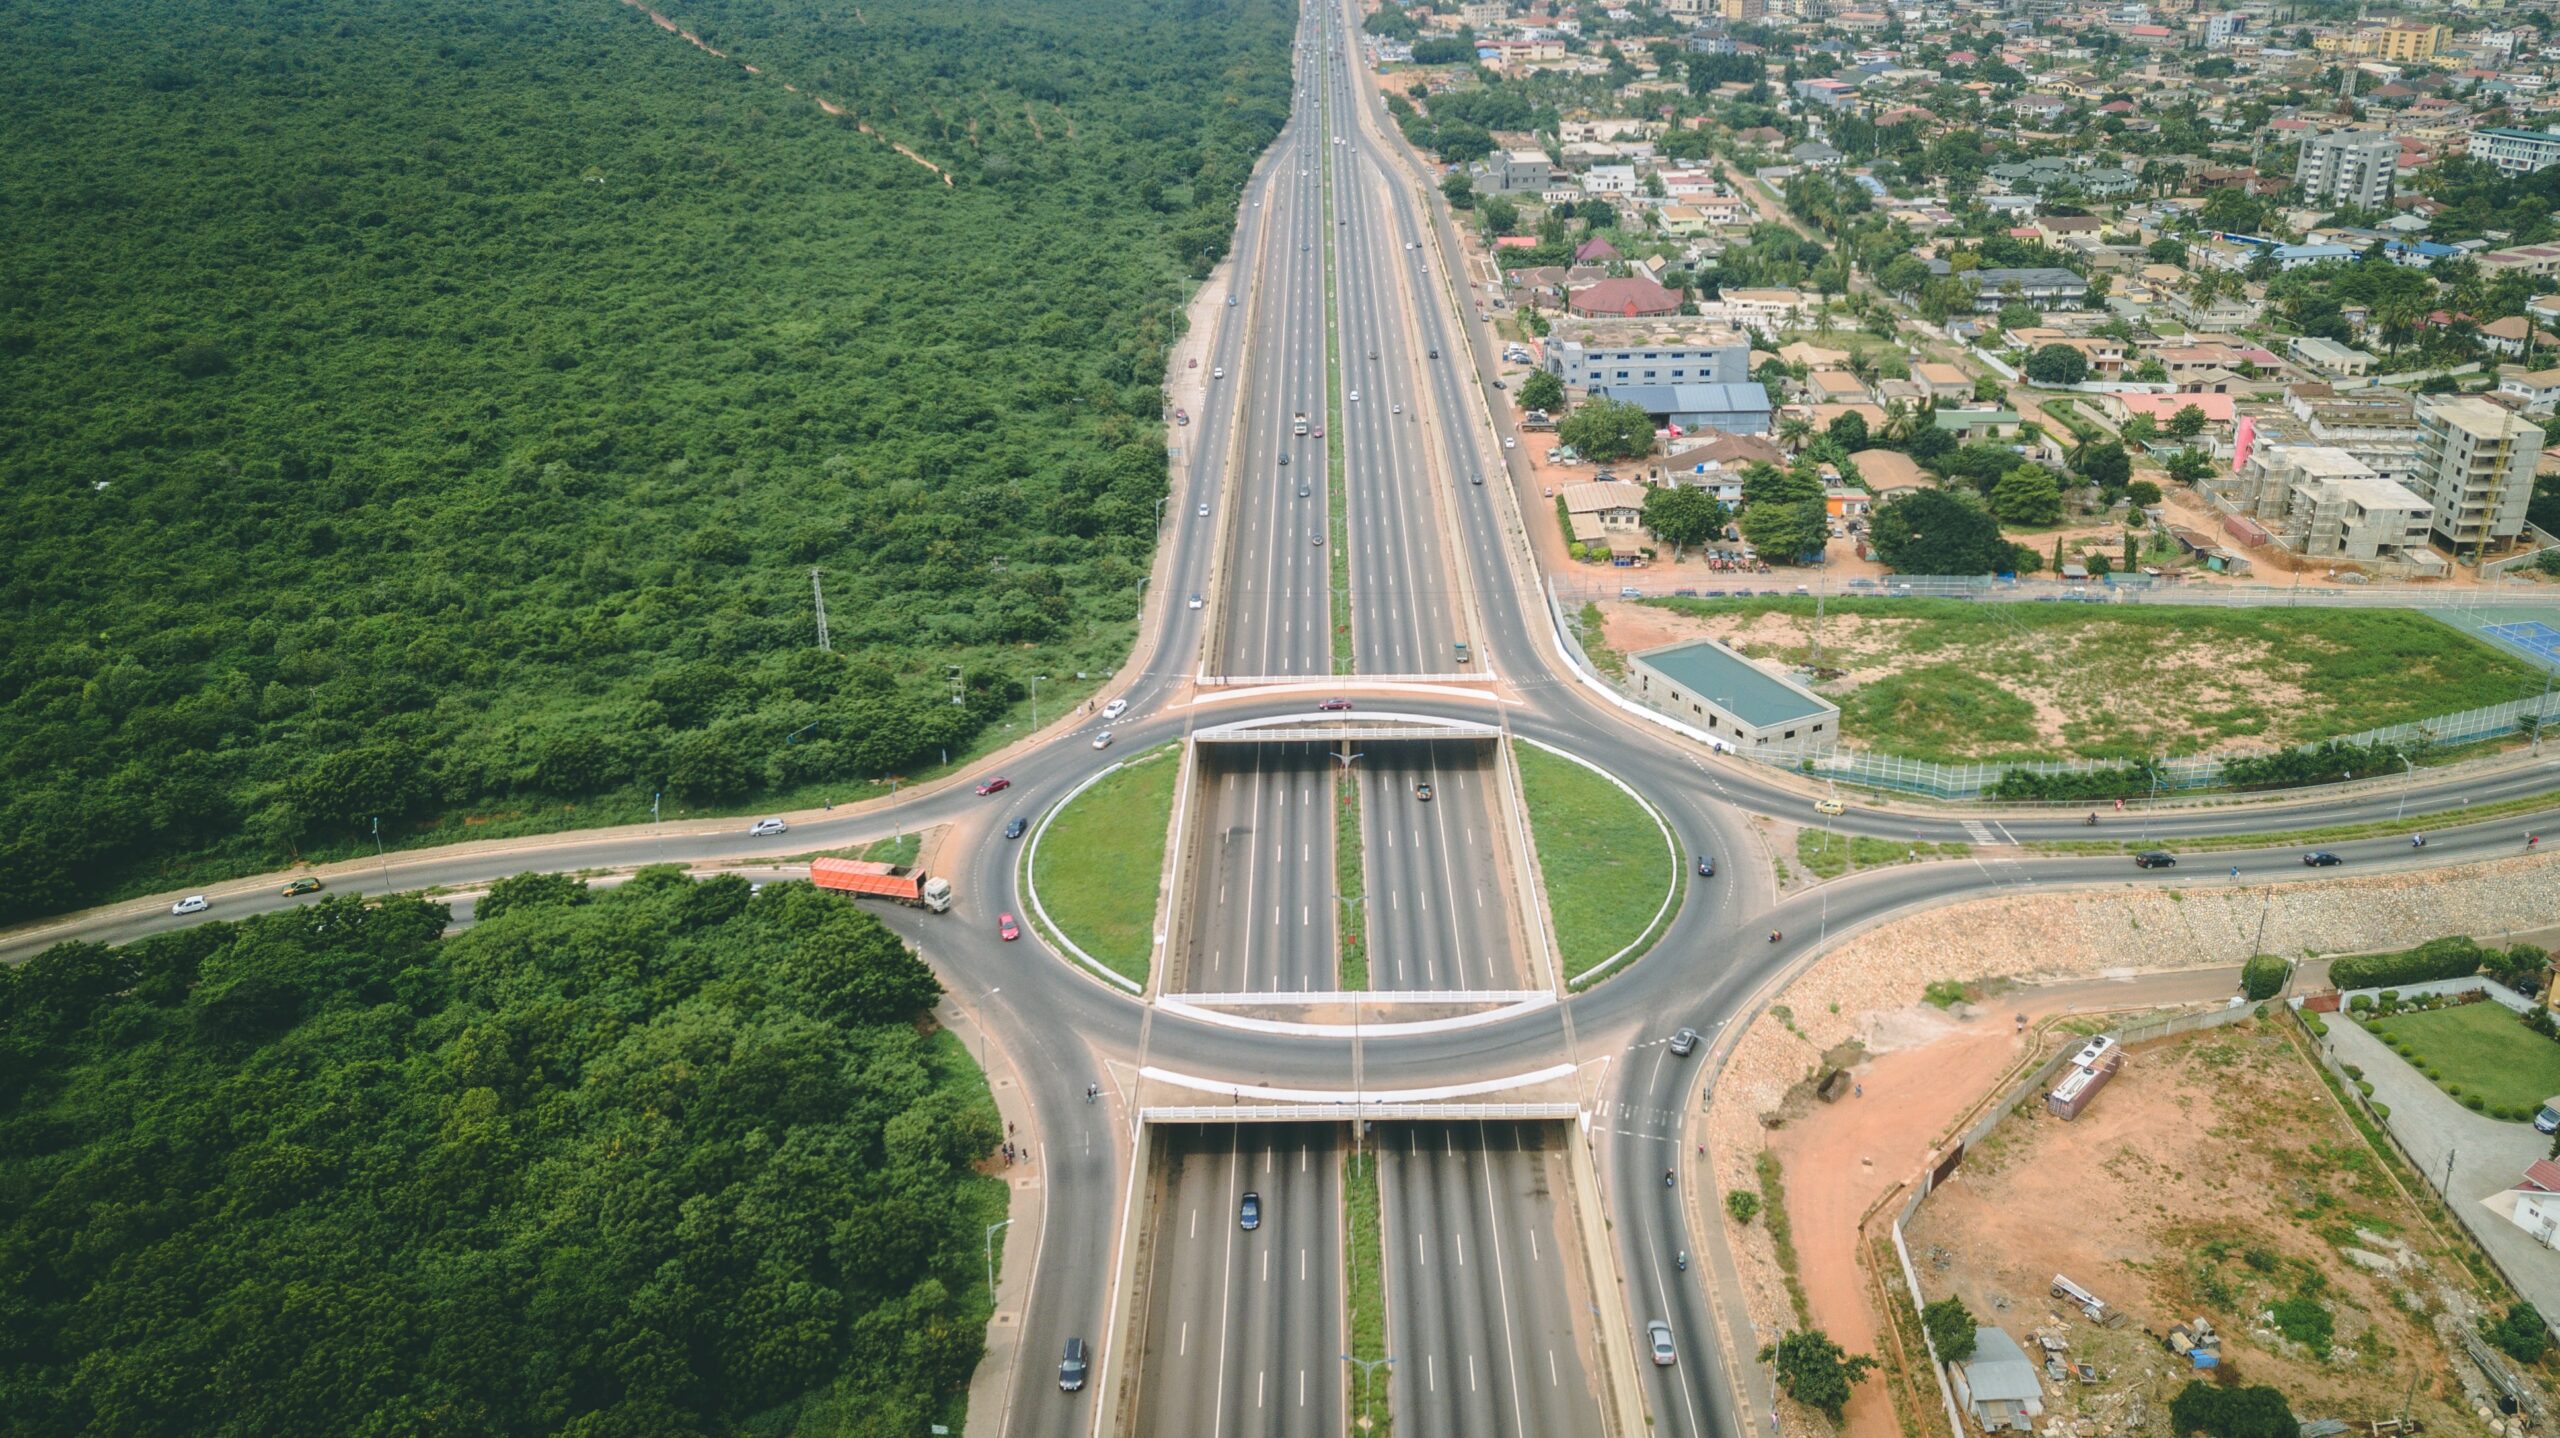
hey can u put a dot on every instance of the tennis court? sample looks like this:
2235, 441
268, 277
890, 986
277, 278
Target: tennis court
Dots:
2532, 636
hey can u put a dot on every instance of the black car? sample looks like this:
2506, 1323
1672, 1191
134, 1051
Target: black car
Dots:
2155, 859
2320, 859
1706, 866
1071, 1367
1014, 829
1284, 461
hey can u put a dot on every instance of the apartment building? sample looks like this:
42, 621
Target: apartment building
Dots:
2324, 503
2404, 42
2475, 468
2517, 152
2348, 167
2378, 426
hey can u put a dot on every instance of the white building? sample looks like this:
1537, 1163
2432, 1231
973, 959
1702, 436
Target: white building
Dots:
2517, 152
2324, 503
2349, 167
2475, 467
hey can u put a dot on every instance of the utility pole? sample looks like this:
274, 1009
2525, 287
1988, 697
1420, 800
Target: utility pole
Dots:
819, 592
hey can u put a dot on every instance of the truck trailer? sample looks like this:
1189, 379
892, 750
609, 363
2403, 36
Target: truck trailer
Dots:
867, 879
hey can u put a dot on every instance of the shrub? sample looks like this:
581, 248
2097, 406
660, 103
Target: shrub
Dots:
2520, 1334
2263, 976
2319, 1027
2353, 1071
2360, 1003
2474, 1102
1945, 993
2302, 1319
1742, 1205
2453, 957
1814, 1371
2382, 1110
2258, 1412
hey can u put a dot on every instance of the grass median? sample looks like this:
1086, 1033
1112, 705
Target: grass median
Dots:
1606, 865
1337, 480
1827, 855
1367, 1280
2291, 838
1101, 857
1347, 856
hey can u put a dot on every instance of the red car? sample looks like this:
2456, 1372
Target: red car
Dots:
995, 786
1007, 929
1333, 706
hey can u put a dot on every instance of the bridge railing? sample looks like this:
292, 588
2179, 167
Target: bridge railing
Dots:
1349, 1112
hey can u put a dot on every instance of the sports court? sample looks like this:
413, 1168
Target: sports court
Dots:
2531, 632
2532, 636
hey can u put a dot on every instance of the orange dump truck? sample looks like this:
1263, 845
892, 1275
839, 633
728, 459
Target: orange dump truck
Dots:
882, 881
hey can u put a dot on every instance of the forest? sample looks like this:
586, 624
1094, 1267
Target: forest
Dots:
430, 411
672, 1158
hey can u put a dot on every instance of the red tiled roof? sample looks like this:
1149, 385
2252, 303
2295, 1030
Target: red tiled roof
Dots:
2542, 1174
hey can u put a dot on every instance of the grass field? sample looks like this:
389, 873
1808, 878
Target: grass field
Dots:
1828, 855
900, 850
1100, 859
2480, 1049
1959, 682
1606, 866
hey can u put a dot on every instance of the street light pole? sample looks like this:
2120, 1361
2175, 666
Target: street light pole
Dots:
991, 1258
2403, 806
1366, 1367
379, 854
1035, 700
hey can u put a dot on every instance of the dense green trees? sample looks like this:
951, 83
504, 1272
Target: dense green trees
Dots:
2057, 364
1939, 531
1682, 516
1605, 430
652, 1161
1542, 390
419, 408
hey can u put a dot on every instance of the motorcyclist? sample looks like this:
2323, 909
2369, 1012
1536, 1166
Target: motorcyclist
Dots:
1683, 1260
1666, 1178
2093, 818
2417, 841
1774, 936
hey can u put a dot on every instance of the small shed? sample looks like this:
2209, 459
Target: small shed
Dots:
1997, 1386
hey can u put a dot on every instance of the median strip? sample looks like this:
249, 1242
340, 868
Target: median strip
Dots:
1347, 855
1371, 1394
2291, 838
1337, 483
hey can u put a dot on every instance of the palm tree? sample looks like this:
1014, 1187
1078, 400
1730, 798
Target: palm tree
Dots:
1901, 421
1862, 368
1795, 432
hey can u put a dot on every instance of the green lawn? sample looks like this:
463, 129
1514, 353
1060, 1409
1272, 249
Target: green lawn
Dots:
1100, 859
900, 850
1606, 866
2481, 1049
1367, 1276
1958, 682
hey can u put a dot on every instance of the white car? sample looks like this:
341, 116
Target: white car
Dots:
1399, 409
768, 826
1195, 601
1102, 740
1355, 396
1115, 708
191, 904
1204, 511
1509, 443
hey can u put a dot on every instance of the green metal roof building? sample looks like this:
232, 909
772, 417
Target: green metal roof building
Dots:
1707, 686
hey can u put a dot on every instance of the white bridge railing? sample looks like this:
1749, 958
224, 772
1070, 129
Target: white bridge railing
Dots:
1343, 681
1302, 998
1347, 1112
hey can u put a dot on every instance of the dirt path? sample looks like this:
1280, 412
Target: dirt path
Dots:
829, 106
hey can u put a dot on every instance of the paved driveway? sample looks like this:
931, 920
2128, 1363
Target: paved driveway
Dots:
2488, 1156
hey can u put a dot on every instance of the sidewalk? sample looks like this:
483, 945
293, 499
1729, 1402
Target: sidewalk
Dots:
2487, 1156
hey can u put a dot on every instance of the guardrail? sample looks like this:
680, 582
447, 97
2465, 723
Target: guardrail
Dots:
1268, 998
1341, 681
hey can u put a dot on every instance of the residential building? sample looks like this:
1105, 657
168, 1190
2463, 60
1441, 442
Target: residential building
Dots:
1631, 298
2348, 167
1715, 358
1522, 171
1483, 16
1946, 382
2537, 260
2046, 289
1769, 309
1616, 505
1997, 1387
2330, 357
2518, 152
2538, 389
2324, 503
1687, 408
1738, 704
2378, 426
1968, 425
2475, 468
1610, 180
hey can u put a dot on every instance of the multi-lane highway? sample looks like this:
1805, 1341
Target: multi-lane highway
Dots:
1243, 1328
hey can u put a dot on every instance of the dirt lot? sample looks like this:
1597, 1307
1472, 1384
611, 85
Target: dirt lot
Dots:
2214, 1177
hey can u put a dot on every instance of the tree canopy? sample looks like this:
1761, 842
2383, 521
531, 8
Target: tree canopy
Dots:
653, 1160
1938, 531
1604, 430
432, 409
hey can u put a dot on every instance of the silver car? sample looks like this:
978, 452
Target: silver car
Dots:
1658, 1336
768, 826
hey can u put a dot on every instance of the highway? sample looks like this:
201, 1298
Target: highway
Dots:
1057, 1028
1483, 1282
1245, 1342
